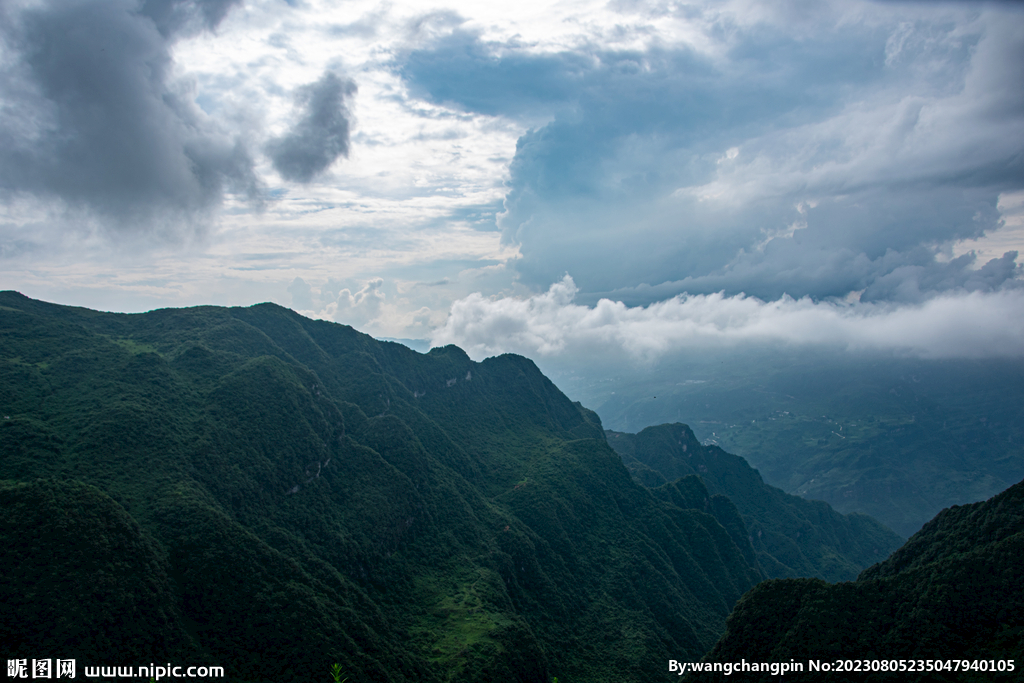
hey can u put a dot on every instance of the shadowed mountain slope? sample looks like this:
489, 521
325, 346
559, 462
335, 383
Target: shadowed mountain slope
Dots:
955, 591
792, 536
894, 437
249, 488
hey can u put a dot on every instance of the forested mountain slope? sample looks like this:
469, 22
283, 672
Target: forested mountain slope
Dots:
792, 536
953, 593
253, 489
894, 437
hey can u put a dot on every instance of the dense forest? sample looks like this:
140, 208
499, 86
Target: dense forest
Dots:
951, 599
272, 494
791, 536
252, 489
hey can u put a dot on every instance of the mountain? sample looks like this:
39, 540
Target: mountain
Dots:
791, 536
954, 593
895, 438
421, 345
248, 488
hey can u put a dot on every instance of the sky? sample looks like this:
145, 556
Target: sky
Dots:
559, 179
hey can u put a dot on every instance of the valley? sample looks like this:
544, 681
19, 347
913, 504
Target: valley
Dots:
898, 439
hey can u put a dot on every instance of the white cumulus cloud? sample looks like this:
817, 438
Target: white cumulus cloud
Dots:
960, 325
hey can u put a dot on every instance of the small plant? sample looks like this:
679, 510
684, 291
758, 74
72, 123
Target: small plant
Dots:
336, 673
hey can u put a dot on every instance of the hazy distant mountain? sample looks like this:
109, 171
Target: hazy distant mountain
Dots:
955, 591
792, 536
249, 488
421, 345
895, 438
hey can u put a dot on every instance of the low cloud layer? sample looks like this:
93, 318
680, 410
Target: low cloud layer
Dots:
551, 325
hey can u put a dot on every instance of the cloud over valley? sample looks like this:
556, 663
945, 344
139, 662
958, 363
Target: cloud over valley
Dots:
552, 325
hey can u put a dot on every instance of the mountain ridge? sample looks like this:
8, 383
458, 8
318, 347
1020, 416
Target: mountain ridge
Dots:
313, 495
792, 536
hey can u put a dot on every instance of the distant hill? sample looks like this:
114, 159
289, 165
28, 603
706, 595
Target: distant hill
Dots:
252, 489
895, 438
792, 536
954, 593
421, 345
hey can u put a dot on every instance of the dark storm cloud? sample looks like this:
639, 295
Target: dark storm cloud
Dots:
320, 135
186, 16
839, 158
870, 242
459, 69
913, 283
92, 118
904, 277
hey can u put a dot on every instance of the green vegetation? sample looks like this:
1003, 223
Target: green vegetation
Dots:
336, 673
256, 490
895, 438
954, 591
791, 536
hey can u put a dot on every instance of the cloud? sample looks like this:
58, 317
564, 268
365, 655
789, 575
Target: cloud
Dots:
551, 325
842, 153
791, 265
460, 69
302, 295
358, 305
177, 17
93, 119
321, 133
